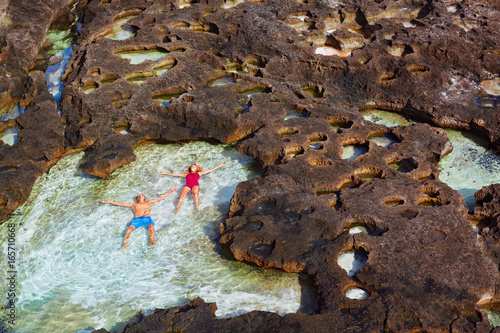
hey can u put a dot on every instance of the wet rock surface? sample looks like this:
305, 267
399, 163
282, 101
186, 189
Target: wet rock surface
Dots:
41, 142
289, 79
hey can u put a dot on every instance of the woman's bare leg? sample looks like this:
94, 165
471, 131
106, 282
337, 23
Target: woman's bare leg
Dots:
196, 195
184, 192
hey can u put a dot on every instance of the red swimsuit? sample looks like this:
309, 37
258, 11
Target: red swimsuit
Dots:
192, 179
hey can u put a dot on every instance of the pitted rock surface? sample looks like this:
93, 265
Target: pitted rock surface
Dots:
288, 80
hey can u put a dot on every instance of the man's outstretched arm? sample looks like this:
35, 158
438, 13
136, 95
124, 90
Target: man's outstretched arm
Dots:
116, 203
163, 196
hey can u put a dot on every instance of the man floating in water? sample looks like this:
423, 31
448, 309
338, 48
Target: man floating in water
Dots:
142, 213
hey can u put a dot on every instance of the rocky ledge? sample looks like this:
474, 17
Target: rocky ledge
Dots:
289, 81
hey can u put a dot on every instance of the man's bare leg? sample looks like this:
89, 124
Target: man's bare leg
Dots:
151, 234
184, 192
196, 195
127, 235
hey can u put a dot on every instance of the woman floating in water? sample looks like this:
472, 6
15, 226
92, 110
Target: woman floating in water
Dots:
192, 174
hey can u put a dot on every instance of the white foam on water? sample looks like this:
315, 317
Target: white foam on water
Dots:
72, 274
357, 293
351, 261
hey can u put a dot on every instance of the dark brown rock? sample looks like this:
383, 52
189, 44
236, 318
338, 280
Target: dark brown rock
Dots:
426, 271
40, 144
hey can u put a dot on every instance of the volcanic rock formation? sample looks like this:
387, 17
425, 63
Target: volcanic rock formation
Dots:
288, 79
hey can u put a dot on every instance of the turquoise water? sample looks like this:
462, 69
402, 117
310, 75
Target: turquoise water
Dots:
14, 113
54, 73
73, 275
469, 167
138, 57
10, 136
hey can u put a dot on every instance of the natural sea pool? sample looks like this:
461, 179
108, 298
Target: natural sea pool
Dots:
72, 275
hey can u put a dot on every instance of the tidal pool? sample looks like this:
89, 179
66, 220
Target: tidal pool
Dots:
73, 276
469, 167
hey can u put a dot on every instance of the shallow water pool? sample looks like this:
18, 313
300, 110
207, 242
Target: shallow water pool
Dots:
469, 167
72, 274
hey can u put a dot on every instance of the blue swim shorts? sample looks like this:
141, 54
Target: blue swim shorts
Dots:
141, 222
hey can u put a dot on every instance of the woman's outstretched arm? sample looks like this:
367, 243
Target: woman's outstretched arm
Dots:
212, 170
171, 174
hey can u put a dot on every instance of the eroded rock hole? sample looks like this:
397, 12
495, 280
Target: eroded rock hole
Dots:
325, 191
89, 87
431, 192
140, 77
341, 124
294, 114
11, 136
357, 293
405, 165
352, 152
418, 68
109, 78
110, 156
294, 151
122, 128
319, 160
387, 77
6, 168
385, 141
221, 81
408, 214
164, 66
428, 201
394, 201
138, 56
315, 92
165, 98
368, 173
264, 206
263, 248
352, 260
491, 86
252, 226
287, 131
317, 137
366, 227
316, 146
